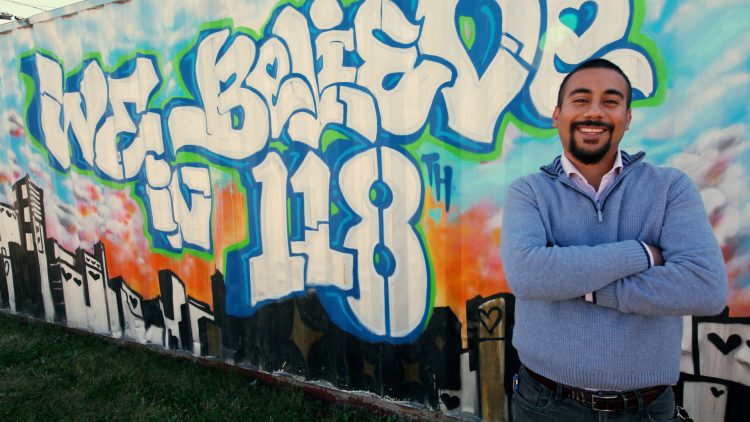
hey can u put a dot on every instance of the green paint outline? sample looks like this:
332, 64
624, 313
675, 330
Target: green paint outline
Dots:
330, 136
431, 271
652, 49
278, 146
467, 20
288, 218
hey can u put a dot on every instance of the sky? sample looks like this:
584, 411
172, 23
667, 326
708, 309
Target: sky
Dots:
26, 8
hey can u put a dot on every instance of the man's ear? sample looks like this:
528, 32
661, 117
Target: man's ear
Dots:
628, 116
556, 113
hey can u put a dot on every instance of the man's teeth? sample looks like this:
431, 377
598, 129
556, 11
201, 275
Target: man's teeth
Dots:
591, 129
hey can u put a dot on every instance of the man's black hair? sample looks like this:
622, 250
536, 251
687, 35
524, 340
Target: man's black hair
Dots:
596, 64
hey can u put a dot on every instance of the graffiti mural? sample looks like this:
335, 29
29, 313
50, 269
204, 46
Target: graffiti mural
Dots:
316, 187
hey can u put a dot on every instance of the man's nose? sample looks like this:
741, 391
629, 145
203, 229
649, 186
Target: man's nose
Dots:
593, 110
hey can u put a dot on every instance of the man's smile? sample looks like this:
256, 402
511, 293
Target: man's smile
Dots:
589, 126
591, 130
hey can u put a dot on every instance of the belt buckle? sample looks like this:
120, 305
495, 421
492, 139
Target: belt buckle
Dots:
596, 397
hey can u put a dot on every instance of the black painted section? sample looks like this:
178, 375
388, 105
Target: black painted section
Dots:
151, 313
116, 285
4, 292
56, 283
28, 282
81, 268
414, 371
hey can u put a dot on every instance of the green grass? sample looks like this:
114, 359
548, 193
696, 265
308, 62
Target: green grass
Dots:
49, 373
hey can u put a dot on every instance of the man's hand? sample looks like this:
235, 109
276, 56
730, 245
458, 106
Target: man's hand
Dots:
656, 253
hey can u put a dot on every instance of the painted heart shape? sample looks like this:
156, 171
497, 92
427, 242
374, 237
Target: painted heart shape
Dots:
451, 402
94, 275
732, 342
479, 25
579, 20
66, 275
133, 302
716, 392
491, 318
273, 68
78, 281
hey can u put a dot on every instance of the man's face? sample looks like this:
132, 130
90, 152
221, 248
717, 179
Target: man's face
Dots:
593, 116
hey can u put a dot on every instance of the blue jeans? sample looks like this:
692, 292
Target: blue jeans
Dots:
535, 402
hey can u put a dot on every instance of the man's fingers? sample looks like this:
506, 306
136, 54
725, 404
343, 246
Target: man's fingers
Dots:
656, 253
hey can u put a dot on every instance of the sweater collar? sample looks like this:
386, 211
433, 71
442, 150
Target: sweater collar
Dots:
555, 168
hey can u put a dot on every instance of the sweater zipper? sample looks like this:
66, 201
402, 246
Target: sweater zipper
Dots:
598, 204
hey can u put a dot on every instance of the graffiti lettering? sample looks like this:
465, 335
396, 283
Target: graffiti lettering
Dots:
50, 88
325, 266
81, 126
297, 85
342, 220
233, 121
180, 204
274, 273
403, 87
440, 178
134, 89
379, 185
498, 67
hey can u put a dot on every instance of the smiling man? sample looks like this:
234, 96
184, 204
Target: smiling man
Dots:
604, 253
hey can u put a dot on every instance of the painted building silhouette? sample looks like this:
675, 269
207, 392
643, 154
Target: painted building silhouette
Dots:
42, 279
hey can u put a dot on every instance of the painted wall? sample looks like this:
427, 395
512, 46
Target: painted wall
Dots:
316, 187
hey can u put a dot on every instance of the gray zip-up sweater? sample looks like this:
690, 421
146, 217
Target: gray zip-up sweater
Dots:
558, 244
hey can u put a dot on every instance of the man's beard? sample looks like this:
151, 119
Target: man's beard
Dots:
589, 157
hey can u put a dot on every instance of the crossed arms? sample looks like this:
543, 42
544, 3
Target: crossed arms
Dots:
691, 281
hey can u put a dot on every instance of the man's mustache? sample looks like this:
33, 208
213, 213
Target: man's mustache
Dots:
575, 125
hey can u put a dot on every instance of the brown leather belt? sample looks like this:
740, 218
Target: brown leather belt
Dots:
606, 402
